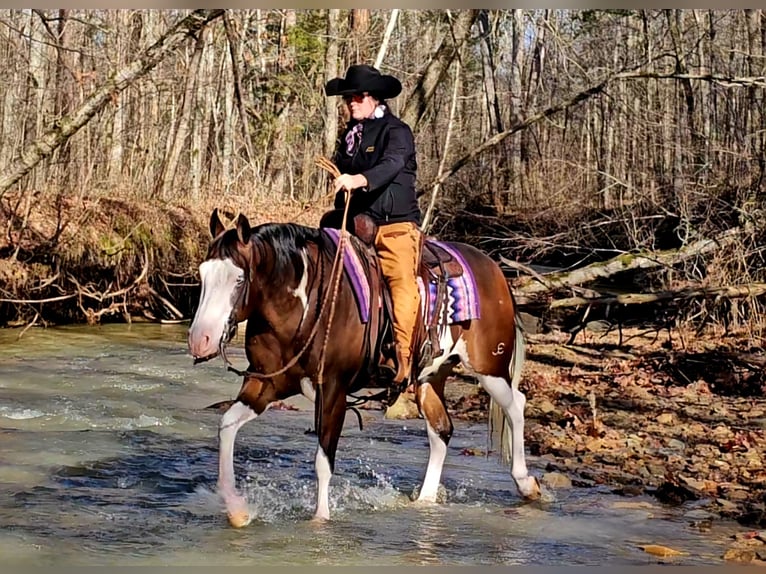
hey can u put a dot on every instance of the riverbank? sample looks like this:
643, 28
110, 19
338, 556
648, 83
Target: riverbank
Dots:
681, 419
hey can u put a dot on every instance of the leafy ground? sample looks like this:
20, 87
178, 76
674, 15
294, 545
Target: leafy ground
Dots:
678, 418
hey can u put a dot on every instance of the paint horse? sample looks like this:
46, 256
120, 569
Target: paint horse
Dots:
279, 277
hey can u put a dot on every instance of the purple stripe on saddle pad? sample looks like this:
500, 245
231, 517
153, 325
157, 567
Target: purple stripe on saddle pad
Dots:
354, 272
463, 294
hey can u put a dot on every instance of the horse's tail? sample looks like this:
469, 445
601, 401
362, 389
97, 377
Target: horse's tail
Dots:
499, 429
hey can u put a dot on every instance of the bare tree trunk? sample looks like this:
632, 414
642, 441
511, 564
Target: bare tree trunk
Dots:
386, 38
234, 43
516, 102
36, 95
331, 71
67, 126
450, 124
762, 135
260, 33
201, 116
277, 161
755, 66
419, 98
227, 127
675, 17
168, 178
116, 149
488, 69
610, 117
492, 104
705, 89
286, 58
359, 24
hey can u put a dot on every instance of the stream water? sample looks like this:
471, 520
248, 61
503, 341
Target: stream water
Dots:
107, 457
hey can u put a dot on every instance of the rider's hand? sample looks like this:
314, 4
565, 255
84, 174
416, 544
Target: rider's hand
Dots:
350, 182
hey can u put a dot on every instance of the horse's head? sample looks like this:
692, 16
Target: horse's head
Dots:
225, 276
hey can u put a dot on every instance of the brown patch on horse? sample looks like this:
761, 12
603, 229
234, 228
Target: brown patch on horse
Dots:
431, 403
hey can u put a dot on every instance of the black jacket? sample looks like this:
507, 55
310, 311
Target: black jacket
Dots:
386, 157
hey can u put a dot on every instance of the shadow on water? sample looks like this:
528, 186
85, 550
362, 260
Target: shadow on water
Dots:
110, 458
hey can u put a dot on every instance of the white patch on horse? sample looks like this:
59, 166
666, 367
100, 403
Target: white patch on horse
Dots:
307, 389
451, 350
232, 420
512, 401
437, 454
220, 279
323, 474
300, 290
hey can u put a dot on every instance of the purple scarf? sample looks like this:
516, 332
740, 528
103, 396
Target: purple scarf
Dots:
353, 138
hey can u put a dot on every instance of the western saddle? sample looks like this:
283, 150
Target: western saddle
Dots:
436, 266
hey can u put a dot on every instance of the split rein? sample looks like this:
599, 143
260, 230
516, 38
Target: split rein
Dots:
335, 275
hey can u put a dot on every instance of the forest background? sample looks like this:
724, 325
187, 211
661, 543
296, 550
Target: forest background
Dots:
624, 149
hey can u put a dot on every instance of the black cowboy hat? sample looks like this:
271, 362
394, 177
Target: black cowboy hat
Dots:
362, 78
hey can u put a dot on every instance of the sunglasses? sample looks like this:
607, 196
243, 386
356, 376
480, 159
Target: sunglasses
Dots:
358, 98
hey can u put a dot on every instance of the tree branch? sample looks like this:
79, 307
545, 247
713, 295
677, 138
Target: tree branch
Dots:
67, 126
588, 93
729, 291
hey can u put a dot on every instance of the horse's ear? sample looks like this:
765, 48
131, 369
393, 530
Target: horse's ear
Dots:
243, 228
216, 227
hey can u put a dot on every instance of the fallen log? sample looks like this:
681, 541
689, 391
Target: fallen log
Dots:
729, 291
528, 287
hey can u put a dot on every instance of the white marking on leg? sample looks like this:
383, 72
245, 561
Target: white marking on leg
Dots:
300, 290
323, 473
232, 420
436, 456
307, 388
512, 401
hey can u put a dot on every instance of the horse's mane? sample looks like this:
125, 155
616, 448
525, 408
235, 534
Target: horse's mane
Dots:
284, 240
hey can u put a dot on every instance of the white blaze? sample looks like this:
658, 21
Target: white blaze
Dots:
220, 279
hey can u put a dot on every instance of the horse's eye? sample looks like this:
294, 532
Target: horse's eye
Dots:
240, 280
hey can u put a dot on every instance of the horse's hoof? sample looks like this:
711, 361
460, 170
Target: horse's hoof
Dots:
239, 519
529, 488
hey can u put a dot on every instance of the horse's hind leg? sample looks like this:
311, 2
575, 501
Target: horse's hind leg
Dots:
505, 391
512, 401
330, 412
429, 397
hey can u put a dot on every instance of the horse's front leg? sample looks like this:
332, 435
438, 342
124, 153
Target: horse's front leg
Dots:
330, 413
429, 397
254, 398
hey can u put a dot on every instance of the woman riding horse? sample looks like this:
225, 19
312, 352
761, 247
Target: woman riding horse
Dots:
279, 278
376, 158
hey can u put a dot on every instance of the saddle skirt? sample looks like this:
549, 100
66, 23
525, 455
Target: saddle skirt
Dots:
442, 270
